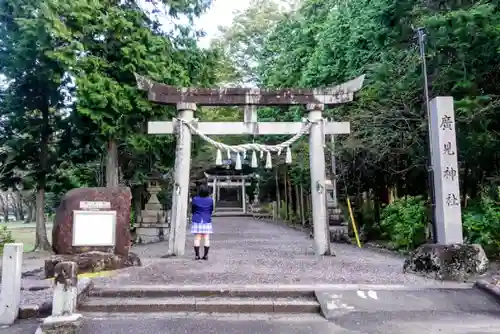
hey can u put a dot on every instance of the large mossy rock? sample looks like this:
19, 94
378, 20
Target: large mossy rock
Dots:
457, 262
92, 262
62, 231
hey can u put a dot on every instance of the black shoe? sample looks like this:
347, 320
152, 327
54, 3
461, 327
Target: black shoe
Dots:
205, 255
197, 252
197, 258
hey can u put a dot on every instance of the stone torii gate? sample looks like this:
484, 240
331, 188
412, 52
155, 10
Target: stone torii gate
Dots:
188, 99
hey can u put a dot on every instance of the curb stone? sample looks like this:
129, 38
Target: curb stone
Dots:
44, 309
491, 289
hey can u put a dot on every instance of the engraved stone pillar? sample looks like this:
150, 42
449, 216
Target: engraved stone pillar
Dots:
449, 258
444, 160
318, 187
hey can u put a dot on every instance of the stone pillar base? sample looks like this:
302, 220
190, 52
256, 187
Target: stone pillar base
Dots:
67, 324
92, 262
456, 262
340, 234
152, 234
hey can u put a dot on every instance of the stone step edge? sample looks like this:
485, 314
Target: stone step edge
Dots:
285, 287
205, 305
256, 290
222, 290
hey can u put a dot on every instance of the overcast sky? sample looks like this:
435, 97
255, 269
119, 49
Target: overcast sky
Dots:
221, 13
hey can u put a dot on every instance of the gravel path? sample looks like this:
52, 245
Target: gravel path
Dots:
247, 251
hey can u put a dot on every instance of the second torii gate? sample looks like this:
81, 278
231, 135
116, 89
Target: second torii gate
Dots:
188, 99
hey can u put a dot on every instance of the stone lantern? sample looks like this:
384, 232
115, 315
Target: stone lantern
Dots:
153, 223
153, 188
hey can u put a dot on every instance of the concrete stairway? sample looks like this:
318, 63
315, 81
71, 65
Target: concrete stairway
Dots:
204, 299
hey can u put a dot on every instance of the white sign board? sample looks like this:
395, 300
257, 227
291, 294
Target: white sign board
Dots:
94, 228
444, 161
87, 205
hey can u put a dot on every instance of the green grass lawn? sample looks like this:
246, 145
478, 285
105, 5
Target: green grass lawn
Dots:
25, 233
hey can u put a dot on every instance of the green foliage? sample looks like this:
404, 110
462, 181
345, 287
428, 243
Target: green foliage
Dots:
129, 42
326, 42
481, 224
404, 222
132, 217
68, 89
5, 237
283, 210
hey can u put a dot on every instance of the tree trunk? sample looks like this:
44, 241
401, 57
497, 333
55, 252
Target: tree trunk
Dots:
19, 205
289, 210
29, 204
285, 197
137, 203
465, 185
301, 204
297, 202
112, 179
5, 206
392, 194
278, 197
30, 214
13, 201
41, 242
309, 211
33, 213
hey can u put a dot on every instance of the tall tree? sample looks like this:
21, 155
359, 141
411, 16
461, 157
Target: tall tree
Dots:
329, 41
33, 99
115, 40
243, 39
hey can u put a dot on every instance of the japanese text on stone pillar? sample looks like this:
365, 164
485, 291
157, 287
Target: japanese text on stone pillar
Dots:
448, 218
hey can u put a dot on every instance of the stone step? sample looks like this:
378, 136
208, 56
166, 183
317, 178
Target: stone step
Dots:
232, 214
203, 304
153, 225
154, 212
229, 209
224, 204
244, 291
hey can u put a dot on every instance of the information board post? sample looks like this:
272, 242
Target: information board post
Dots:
94, 225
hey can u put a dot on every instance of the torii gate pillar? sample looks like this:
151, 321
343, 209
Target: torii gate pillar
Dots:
317, 168
180, 196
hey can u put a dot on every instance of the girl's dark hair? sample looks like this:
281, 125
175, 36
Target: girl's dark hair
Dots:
203, 191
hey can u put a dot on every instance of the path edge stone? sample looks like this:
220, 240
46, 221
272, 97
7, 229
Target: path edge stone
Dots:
491, 289
44, 308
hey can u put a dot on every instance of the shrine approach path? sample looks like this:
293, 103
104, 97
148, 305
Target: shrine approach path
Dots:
248, 251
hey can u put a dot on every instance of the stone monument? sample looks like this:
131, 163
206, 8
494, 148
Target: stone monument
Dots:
92, 229
153, 224
449, 258
337, 225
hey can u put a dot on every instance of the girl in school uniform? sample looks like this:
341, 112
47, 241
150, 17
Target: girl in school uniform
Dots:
202, 207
